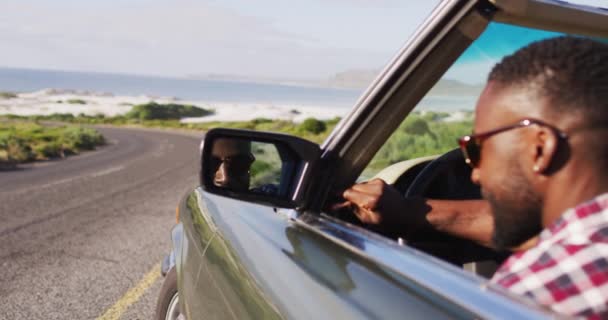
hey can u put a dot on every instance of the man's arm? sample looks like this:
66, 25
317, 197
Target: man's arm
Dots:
382, 206
469, 219
379, 204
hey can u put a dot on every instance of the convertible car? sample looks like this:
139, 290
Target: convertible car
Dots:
263, 246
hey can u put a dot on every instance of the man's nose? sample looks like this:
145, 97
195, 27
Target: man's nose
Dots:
220, 174
475, 174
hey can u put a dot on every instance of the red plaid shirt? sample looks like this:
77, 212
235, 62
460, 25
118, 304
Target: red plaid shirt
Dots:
568, 269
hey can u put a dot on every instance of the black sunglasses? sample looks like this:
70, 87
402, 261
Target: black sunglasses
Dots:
471, 145
237, 164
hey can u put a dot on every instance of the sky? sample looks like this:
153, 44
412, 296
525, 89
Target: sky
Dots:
497, 41
262, 38
274, 39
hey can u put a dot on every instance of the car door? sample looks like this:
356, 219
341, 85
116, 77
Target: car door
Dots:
263, 263
266, 263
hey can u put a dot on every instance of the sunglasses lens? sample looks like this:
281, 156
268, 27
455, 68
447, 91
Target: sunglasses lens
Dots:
473, 152
236, 165
471, 149
214, 162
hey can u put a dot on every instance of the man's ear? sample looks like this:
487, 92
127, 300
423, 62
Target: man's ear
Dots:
546, 143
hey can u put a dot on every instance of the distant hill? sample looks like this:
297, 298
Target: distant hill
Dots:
255, 79
455, 87
355, 79
349, 79
362, 78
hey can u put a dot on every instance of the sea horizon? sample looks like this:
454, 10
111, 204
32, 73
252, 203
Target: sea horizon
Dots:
21, 80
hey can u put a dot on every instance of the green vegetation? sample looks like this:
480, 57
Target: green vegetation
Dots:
149, 114
27, 141
282, 126
421, 134
156, 111
76, 101
313, 126
266, 169
7, 95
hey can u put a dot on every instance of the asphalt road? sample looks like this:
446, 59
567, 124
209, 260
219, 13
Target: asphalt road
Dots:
78, 235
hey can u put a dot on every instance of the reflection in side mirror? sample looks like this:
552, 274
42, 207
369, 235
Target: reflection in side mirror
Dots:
257, 166
243, 165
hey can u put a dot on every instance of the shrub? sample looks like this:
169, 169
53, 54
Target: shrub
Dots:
15, 148
79, 138
47, 150
259, 167
7, 95
65, 117
261, 120
313, 126
25, 141
417, 126
155, 111
76, 101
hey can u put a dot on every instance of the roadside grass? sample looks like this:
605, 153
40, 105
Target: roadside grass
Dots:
421, 134
311, 129
24, 141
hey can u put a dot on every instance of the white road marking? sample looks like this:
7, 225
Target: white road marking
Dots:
107, 171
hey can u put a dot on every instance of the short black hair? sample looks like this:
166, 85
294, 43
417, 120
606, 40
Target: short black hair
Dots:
571, 72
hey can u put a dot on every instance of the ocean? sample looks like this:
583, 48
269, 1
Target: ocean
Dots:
29, 80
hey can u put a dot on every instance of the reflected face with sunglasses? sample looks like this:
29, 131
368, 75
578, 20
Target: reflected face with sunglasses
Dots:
231, 161
502, 154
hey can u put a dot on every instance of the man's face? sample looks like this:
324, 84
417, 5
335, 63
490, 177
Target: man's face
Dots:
231, 159
502, 172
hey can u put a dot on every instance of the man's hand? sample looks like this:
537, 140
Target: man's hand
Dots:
376, 203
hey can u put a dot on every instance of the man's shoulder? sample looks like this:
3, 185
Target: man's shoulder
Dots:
570, 275
572, 253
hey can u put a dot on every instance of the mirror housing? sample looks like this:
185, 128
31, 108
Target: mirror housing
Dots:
261, 167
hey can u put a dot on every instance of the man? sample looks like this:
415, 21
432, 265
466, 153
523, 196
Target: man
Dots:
540, 154
231, 161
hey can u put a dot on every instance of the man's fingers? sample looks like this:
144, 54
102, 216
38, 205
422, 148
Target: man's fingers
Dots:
360, 199
340, 205
374, 186
351, 194
367, 216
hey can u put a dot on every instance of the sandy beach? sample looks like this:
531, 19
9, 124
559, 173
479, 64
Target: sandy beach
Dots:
49, 101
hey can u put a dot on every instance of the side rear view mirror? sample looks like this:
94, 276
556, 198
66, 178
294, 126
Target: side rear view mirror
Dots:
257, 166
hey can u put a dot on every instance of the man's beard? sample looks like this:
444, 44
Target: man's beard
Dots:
516, 210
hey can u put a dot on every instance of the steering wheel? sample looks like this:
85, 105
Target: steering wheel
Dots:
446, 177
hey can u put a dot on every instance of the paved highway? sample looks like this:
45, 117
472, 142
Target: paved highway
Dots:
81, 238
